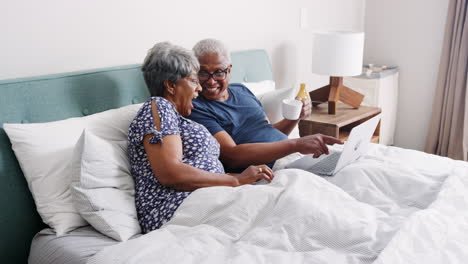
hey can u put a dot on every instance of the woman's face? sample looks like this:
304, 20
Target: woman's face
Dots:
185, 90
214, 76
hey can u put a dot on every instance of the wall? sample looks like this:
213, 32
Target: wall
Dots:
52, 36
408, 34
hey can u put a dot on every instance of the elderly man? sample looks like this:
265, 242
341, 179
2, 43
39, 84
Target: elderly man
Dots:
236, 119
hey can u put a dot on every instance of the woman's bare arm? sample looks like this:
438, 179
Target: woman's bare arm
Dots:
166, 162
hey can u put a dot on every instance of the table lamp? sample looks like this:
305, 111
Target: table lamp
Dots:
337, 54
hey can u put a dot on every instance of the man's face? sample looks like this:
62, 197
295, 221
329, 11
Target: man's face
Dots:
214, 76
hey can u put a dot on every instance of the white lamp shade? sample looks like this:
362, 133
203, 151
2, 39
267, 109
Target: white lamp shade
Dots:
338, 53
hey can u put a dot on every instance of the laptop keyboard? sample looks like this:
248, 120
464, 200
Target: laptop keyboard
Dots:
326, 165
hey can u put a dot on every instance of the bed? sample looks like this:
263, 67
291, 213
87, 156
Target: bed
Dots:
392, 206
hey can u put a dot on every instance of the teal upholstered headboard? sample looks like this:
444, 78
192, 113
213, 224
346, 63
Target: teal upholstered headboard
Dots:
61, 96
250, 66
44, 99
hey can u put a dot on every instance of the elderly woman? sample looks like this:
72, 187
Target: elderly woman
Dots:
170, 155
235, 117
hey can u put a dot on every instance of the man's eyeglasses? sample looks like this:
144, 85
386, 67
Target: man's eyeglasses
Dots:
204, 76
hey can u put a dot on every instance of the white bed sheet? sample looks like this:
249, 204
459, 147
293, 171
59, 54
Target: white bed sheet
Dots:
75, 247
391, 206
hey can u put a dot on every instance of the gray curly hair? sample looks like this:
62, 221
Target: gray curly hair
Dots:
167, 62
209, 45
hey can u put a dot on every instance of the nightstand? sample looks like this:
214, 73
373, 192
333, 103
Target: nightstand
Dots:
380, 89
340, 124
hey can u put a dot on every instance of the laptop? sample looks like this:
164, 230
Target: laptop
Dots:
357, 144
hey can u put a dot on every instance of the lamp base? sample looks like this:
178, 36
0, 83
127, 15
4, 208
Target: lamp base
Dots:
335, 92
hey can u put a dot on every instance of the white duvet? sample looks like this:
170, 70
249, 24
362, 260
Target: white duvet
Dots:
391, 206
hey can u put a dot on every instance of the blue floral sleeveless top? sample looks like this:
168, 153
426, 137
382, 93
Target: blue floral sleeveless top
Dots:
155, 203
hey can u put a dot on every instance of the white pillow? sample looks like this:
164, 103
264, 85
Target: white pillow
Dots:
260, 88
102, 186
271, 102
44, 151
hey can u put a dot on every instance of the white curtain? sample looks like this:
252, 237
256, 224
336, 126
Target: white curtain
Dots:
448, 133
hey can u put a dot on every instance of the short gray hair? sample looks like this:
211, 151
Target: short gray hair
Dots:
206, 46
167, 62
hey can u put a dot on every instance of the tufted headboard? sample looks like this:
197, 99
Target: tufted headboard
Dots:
250, 66
61, 96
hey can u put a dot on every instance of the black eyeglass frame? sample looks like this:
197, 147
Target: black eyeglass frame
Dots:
211, 75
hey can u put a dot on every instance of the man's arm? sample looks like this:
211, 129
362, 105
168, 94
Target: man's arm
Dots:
286, 126
243, 155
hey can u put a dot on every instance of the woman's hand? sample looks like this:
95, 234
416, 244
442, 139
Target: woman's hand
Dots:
255, 173
315, 144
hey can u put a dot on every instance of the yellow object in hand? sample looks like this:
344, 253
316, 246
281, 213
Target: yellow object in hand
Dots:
303, 94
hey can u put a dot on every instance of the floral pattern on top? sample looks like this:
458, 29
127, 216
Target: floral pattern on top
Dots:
156, 203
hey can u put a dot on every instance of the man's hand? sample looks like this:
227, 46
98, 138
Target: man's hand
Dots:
315, 144
306, 108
